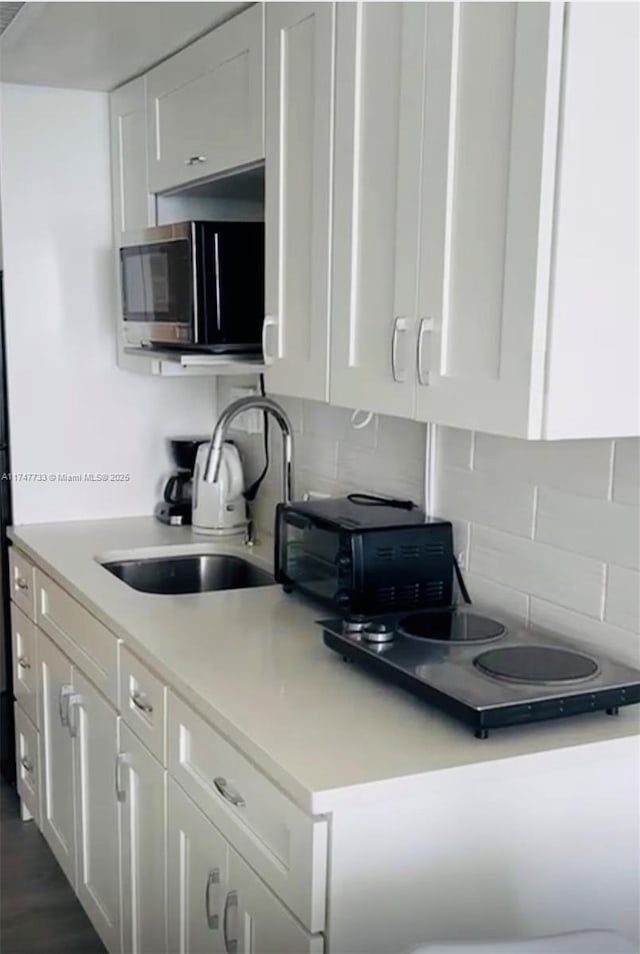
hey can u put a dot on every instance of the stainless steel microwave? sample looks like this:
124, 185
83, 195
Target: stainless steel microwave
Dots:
194, 286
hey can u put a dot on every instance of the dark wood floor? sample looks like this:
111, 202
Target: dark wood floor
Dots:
39, 913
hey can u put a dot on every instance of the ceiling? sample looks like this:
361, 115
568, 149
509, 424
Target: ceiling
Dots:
99, 46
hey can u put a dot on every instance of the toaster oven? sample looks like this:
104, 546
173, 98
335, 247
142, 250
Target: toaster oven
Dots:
359, 558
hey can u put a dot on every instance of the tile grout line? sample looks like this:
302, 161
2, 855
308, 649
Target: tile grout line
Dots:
612, 462
603, 595
534, 513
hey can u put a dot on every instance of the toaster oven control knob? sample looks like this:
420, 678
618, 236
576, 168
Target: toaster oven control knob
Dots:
344, 564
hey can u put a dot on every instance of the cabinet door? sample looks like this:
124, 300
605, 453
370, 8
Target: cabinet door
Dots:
24, 635
94, 726
196, 877
490, 136
28, 765
254, 921
379, 90
133, 206
299, 98
57, 789
205, 105
140, 781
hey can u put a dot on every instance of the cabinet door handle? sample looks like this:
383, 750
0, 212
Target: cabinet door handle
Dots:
139, 702
26, 764
230, 943
426, 328
72, 724
269, 323
213, 878
195, 160
23, 662
63, 705
398, 365
228, 792
121, 794
22, 584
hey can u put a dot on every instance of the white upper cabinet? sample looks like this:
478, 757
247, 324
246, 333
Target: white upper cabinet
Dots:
492, 99
299, 117
205, 105
133, 206
379, 66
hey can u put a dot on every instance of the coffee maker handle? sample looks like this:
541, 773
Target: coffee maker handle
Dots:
173, 486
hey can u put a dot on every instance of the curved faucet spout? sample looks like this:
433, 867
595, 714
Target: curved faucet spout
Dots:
260, 403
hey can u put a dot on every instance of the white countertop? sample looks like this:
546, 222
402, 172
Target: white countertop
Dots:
253, 663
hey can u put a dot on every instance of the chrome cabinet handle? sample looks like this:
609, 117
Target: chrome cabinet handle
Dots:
23, 662
139, 702
121, 794
269, 322
26, 764
398, 367
195, 160
213, 878
230, 943
426, 328
22, 584
63, 705
72, 724
229, 793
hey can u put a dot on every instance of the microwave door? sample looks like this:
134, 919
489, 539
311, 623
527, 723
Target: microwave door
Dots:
157, 294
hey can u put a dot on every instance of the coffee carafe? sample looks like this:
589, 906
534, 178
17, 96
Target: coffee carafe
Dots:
175, 506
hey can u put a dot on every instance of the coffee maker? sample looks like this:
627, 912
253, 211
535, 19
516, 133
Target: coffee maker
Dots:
175, 506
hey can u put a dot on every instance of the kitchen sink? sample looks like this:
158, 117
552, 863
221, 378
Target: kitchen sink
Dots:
195, 573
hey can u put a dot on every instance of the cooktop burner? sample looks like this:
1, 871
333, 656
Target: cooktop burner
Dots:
450, 627
536, 664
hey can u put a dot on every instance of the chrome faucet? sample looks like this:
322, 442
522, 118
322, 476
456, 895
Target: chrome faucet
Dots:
260, 403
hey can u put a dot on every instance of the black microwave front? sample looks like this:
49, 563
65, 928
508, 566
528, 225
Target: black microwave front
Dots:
194, 286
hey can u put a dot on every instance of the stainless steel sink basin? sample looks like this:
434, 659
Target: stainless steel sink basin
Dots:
195, 573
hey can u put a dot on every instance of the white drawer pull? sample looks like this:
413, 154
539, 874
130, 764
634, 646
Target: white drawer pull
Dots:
22, 584
230, 903
139, 702
26, 764
229, 793
195, 160
24, 663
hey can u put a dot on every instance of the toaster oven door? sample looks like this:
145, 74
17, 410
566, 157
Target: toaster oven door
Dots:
308, 558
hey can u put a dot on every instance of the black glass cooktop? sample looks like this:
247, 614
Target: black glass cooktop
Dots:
525, 675
533, 664
450, 627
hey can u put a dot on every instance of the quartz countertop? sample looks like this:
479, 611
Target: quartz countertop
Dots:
253, 663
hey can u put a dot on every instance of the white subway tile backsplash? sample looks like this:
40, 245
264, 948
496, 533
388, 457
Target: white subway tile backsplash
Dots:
363, 469
335, 423
622, 598
316, 454
606, 531
610, 639
580, 467
398, 438
494, 597
626, 471
453, 447
560, 577
486, 499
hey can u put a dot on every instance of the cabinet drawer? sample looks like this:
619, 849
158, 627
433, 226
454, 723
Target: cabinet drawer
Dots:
24, 636
142, 703
28, 763
23, 587
80, 635
287, 848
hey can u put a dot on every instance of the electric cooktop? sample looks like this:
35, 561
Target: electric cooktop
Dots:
488, 673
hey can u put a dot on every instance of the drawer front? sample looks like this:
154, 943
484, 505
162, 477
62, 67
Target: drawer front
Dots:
85, 640
24, 636
287, 848
142, 703
28, 763
23, 587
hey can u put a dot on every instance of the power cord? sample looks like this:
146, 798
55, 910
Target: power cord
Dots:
251, 492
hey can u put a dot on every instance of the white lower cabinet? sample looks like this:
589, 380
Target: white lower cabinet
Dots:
28, 767
255, 922
57, 816
79, 814
216, 903
140, 783
94, 727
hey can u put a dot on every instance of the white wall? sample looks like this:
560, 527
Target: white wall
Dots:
550, 530
71, 409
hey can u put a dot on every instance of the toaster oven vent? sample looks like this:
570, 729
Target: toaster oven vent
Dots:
411, 594
385, 554
410, 552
